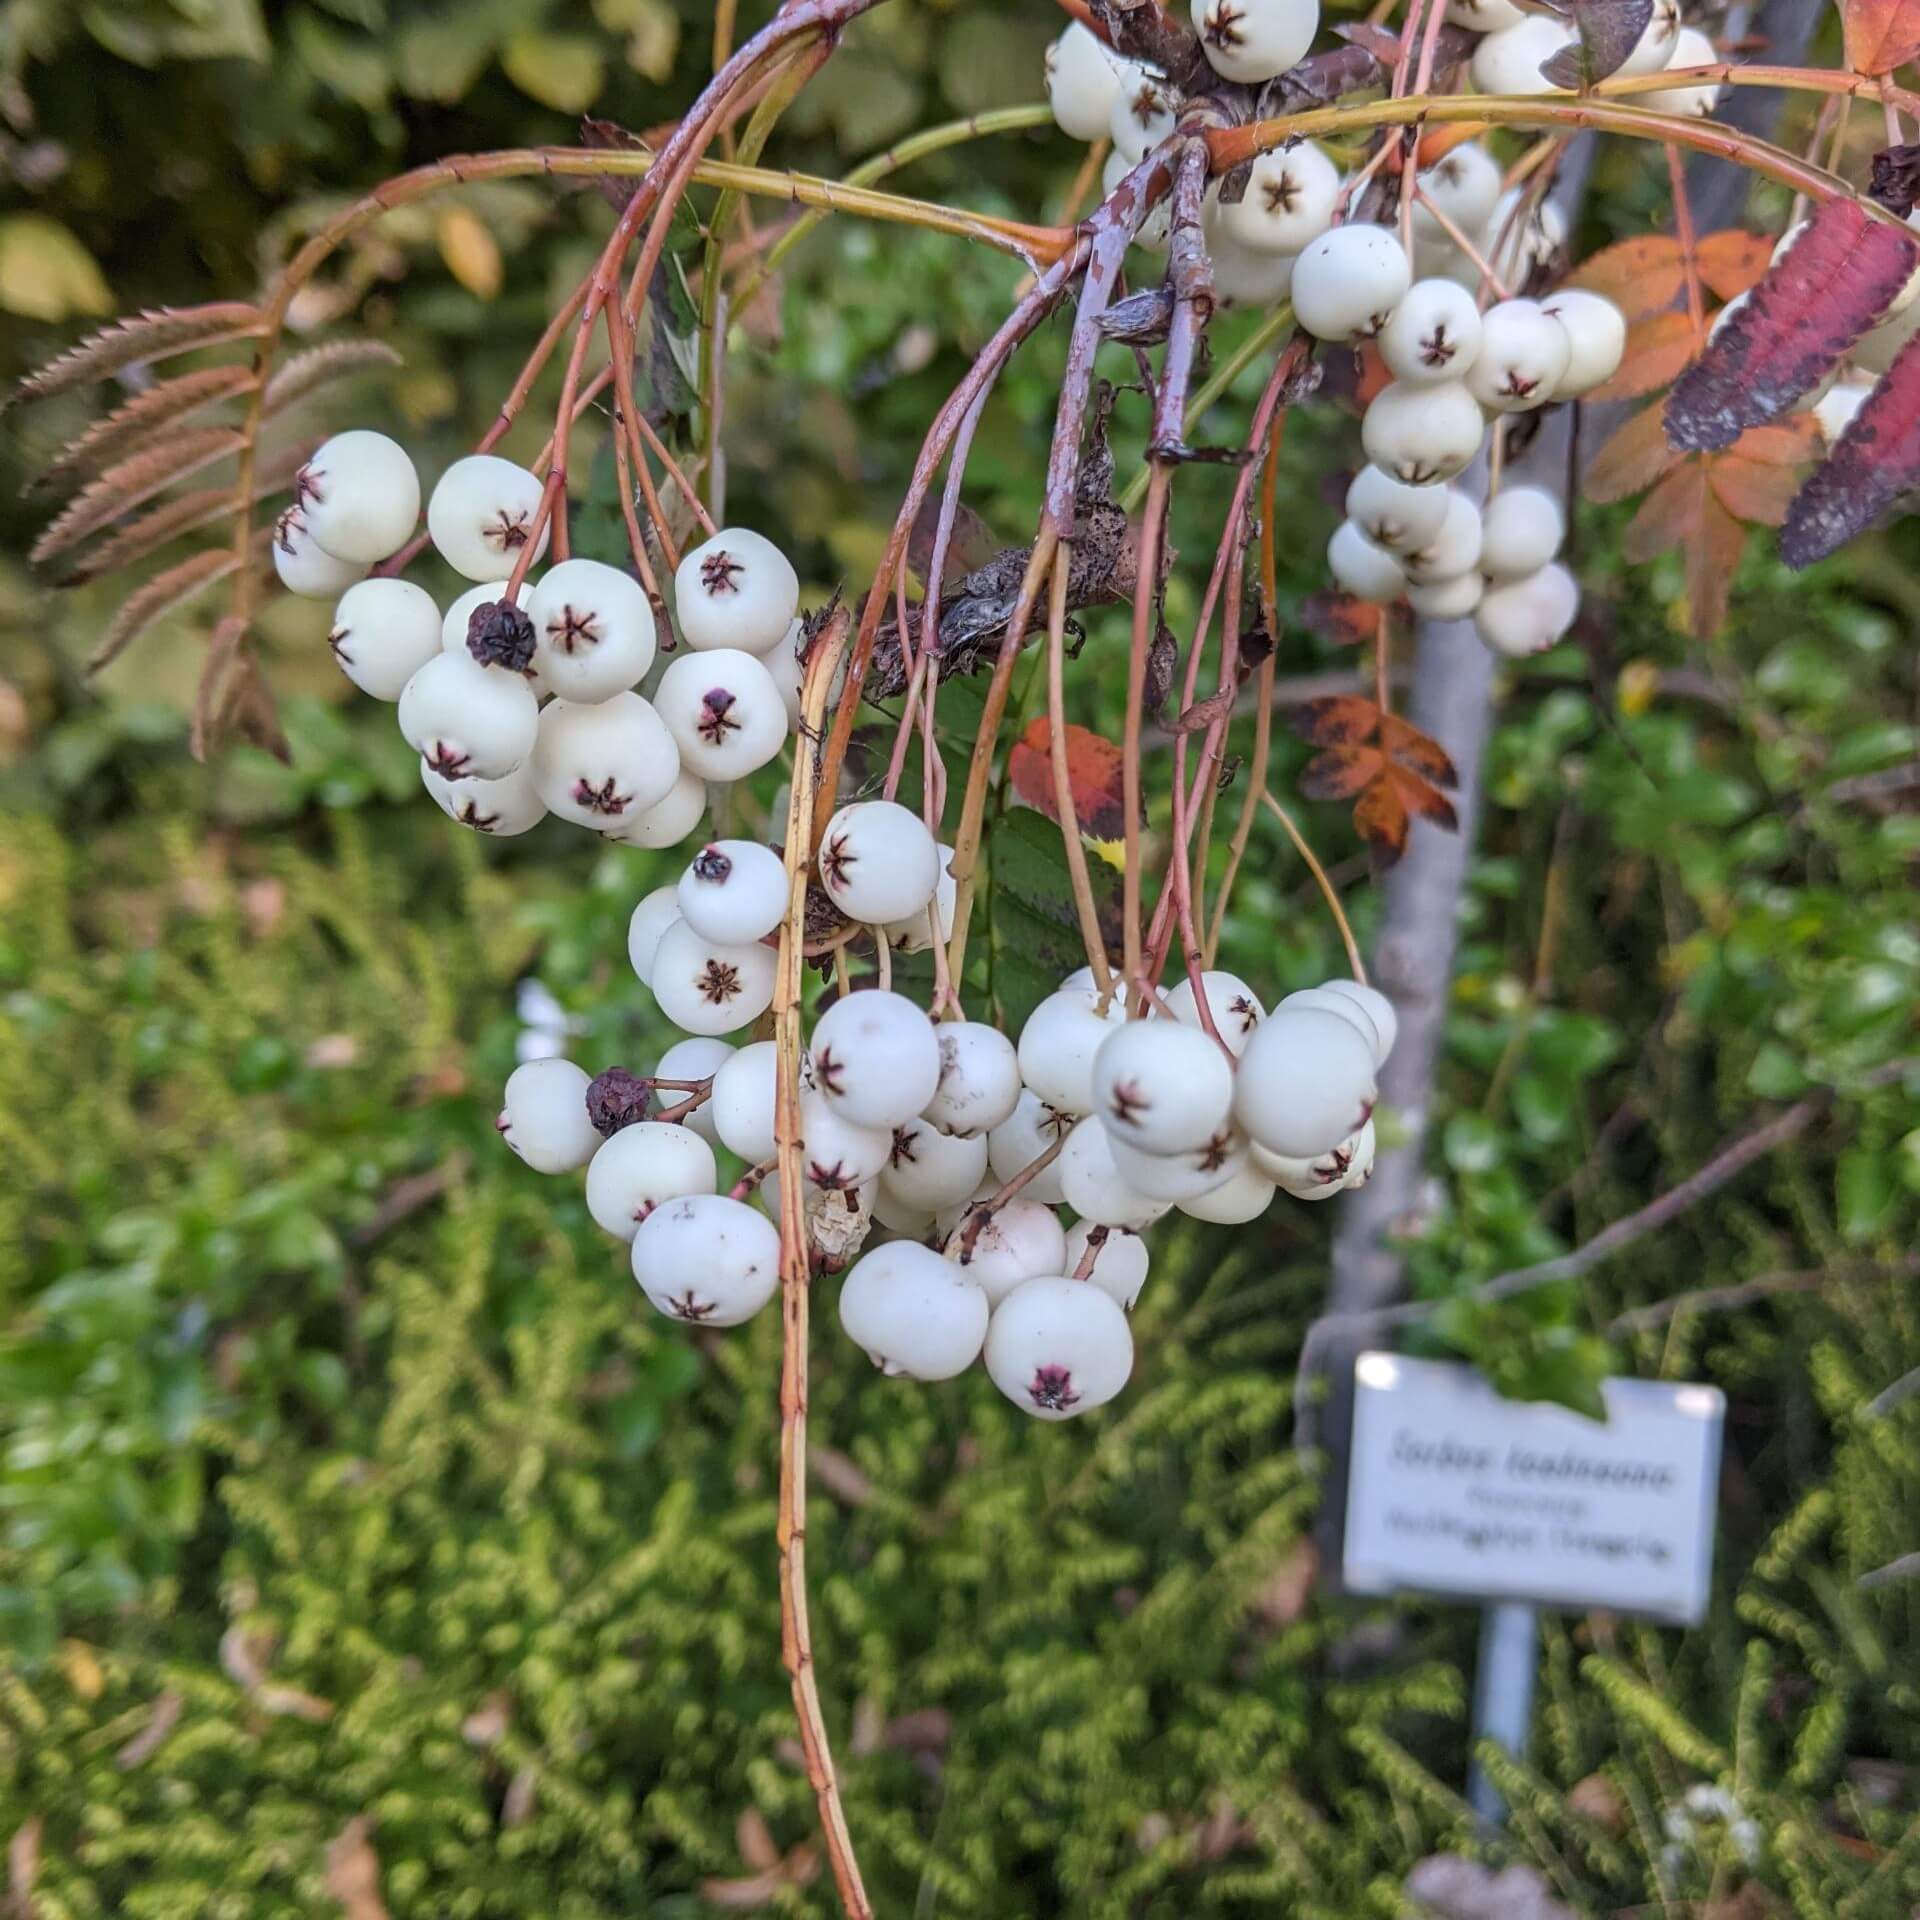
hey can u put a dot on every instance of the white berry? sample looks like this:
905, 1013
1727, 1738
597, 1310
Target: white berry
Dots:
1422, 434
1018, 1240
648, 924
1528, 615
733, 890
1243, 278
383, 633
1305, 1083
670, 819
1288, 201
917, 931
912, 1313
1451, 599
1521, 530
481, 515
543, 1116
1358, 1017
503, 808
878, 863
930, 1170
1691, 48
1094, 1186
1162, 1086
1658, 40
1361, 568
1455, 549
1378, 1009
642, 1165
1596, 333
1142, 115
1483, 16
1235, 1007
724, 712
837, 1152
1058, 1348
710, 986
466, 720
1347, 283
876, 1058
603, 765
1234, 1202
707, 1259
1021, 1139
1434, 333
736, 591
1392, 514
743, 1101
593, 628
1255, 40
1119, 1262
1510, 61
361, 496
1515, 246
1084, 78
1177, 1177
305, 567
1463, 183
1058, 1044
698, 1057
1524, 352
979, 1084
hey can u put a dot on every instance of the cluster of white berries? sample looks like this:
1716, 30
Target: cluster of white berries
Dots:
1457, 363
1518, 43
563, 700
1455, 369
934, 1156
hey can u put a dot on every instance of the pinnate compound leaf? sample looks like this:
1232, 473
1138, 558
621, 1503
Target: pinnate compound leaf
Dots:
1733, 260
1685, 511
1634, 457
1381, 819
1094, 777
1880, 35
132, 482
1657, 350
153, 335
1341, 772
164, 404
1338, 720
1605, 32
308, 372
165, 593
1823, 293
1875, 462
1418, 751
1640, 276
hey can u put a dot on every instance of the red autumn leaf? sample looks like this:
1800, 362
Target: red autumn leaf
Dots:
1341, 772
1685, 511
1657, 348
1821, 295
1339, 720
1640, 276
1880, 35
1732, 261
1380, 818
1751, 489
1093, 777
1876, 461
1635, 456
1668, 516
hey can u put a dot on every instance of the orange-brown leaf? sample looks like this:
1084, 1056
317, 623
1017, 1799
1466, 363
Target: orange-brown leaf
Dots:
1713, 557
1751, 489
1340, 619
1339, 720
1635, 456
1424, 798
1420, 751
165, 403
1670, 515
1640, 276
1658, 348
1094, 770
1880, 35
158, 597
1341, 772
1791, 442
1733, 260
1380, 818
307, 372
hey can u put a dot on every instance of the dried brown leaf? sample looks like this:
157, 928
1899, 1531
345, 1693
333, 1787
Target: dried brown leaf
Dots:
306, 373
185, 513
153, 335
132, 482
1380, 818
165, 593
1337, 720
146, 413
1341, 772
1880, 35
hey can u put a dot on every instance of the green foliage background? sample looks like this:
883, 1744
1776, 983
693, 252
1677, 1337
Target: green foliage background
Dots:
350, 1497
